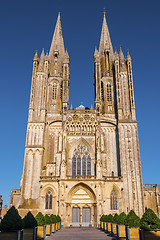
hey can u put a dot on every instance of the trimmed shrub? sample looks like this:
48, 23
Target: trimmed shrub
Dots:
58, 218
132, 220
29, 221
109, 218
121, 218
102, 218
115, 218
105, 218
150, 220
47, 219
40, 219
53, 218
11, 221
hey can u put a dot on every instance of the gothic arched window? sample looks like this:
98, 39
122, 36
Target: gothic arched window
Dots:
54, 94
81, 161
109, 93
113, 199
48, 204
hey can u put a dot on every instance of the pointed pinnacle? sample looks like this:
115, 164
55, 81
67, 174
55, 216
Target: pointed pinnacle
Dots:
35, 57
121, 56
71, 106
116, 53
42, 54
96, 51
128, 55
46, 57
67, 55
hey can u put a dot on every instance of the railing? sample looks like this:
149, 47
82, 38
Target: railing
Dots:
113, 178
149, 185
49, 178
57, 178
81, 177
81, 109
15, 191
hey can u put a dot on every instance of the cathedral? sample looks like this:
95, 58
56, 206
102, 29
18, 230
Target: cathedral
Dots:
81, 162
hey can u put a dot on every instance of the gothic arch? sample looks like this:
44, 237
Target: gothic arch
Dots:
80, 141
47, 188
117, 190
37, 152
84, 187
29, 152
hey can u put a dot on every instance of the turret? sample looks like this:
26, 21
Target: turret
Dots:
130, 85
65, 85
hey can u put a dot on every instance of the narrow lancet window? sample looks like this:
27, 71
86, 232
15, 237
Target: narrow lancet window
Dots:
113, 199
48, 200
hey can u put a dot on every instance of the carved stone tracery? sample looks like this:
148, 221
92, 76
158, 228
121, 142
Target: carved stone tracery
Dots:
81, 124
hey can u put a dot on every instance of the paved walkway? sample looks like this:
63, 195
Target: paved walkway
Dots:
79, 234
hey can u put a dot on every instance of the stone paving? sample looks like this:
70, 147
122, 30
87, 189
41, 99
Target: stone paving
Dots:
79, 234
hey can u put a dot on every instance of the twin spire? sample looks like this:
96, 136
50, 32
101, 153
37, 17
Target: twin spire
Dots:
57, 45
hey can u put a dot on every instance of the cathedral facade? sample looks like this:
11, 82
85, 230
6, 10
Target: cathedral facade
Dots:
81, 163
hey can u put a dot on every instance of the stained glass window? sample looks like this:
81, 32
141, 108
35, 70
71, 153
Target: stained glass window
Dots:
88, 166
78, 165
84, 166
81, 161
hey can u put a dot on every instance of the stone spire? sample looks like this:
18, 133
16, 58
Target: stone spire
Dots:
57, 44
105, 42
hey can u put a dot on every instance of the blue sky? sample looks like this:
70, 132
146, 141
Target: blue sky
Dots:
28, 25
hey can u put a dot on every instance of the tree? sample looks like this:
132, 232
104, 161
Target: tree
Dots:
53, 218
29, 221
150, 220
47, 219
132, 220
121, 218
11, 221
40, 219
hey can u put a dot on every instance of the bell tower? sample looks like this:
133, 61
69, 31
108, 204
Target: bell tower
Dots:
49, 101
58, 90
104, 87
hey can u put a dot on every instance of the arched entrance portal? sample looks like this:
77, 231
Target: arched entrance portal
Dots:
82, 206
